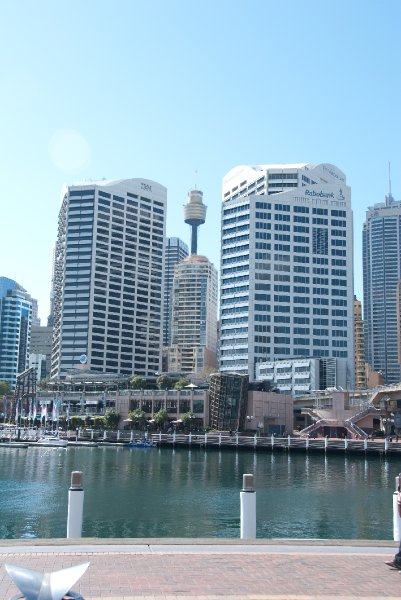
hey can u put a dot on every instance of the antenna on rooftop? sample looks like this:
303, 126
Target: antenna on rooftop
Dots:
389, 198
196, 177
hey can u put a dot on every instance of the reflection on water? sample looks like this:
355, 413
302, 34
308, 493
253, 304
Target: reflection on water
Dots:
193, 493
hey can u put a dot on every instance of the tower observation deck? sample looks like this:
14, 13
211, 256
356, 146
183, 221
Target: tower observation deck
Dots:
194, 215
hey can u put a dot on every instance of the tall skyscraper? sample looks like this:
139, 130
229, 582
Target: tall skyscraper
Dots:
287, 267
15, 330
176, 250
194, 330
108, 277
381, 273
194, 310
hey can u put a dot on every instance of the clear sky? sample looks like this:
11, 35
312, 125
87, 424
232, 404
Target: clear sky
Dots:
180, 92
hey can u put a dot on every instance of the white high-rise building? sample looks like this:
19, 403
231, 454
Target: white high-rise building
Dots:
108, 278
286, 267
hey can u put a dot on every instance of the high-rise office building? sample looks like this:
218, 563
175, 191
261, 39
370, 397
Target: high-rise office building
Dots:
381, 273
108, 278
359, 346
194, 316
286, 267
176, 250
15, 329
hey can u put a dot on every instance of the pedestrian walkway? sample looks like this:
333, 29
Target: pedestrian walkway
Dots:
213, 569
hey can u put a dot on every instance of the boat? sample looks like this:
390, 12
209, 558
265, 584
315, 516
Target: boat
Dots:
140, 444
48, 440
13, 445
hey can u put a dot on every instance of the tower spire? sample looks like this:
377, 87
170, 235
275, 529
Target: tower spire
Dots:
194, 215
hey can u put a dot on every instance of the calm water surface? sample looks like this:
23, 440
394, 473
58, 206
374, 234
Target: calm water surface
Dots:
193, 493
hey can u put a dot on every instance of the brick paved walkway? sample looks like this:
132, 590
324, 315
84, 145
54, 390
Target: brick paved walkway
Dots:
210, 571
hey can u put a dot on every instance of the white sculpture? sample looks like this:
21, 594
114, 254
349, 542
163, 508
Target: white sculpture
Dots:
36, 585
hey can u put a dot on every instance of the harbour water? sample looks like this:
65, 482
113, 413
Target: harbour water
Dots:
195, 493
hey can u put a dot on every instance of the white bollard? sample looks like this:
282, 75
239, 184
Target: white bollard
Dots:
118, 435
272, 440
236, 439
92, 434
105, 435
75, 506
174, 434
131, 437
325, 443
345, 443
160, 436
365, 444
255, 440
205, 440
396, 516
289, 441
386, 444
248, 508
307, 443
190, 438
220, 439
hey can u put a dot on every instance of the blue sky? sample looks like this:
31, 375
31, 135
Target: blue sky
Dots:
182, 91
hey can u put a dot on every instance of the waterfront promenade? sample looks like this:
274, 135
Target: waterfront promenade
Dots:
153, 569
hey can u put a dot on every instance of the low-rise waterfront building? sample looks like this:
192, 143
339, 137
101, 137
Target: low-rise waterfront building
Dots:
269, 413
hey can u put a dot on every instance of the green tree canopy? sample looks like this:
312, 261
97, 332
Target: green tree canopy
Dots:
181, 383
98, 423
111, 419
42, 384
4, 388
137, 416
76, 422
138, 383
187, 418
164, 382
161, 417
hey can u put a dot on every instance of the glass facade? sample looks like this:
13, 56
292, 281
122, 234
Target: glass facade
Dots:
381, 273
15, 330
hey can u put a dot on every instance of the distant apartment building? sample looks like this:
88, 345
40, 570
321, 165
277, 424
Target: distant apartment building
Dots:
359, 346
108, 278
194, 316
176, 250
381, 273
38, 362
15, 330
41, 343
286, 267
298, 377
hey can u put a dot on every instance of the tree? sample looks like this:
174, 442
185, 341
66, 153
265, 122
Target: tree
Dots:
4, 388
187, 419
161, 417
138, 383
137, 416
181, 383
98, 423
111, 419
164, 382
42, 384
76, 422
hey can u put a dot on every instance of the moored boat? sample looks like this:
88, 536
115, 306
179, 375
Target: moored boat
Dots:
49, 440
140, 444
